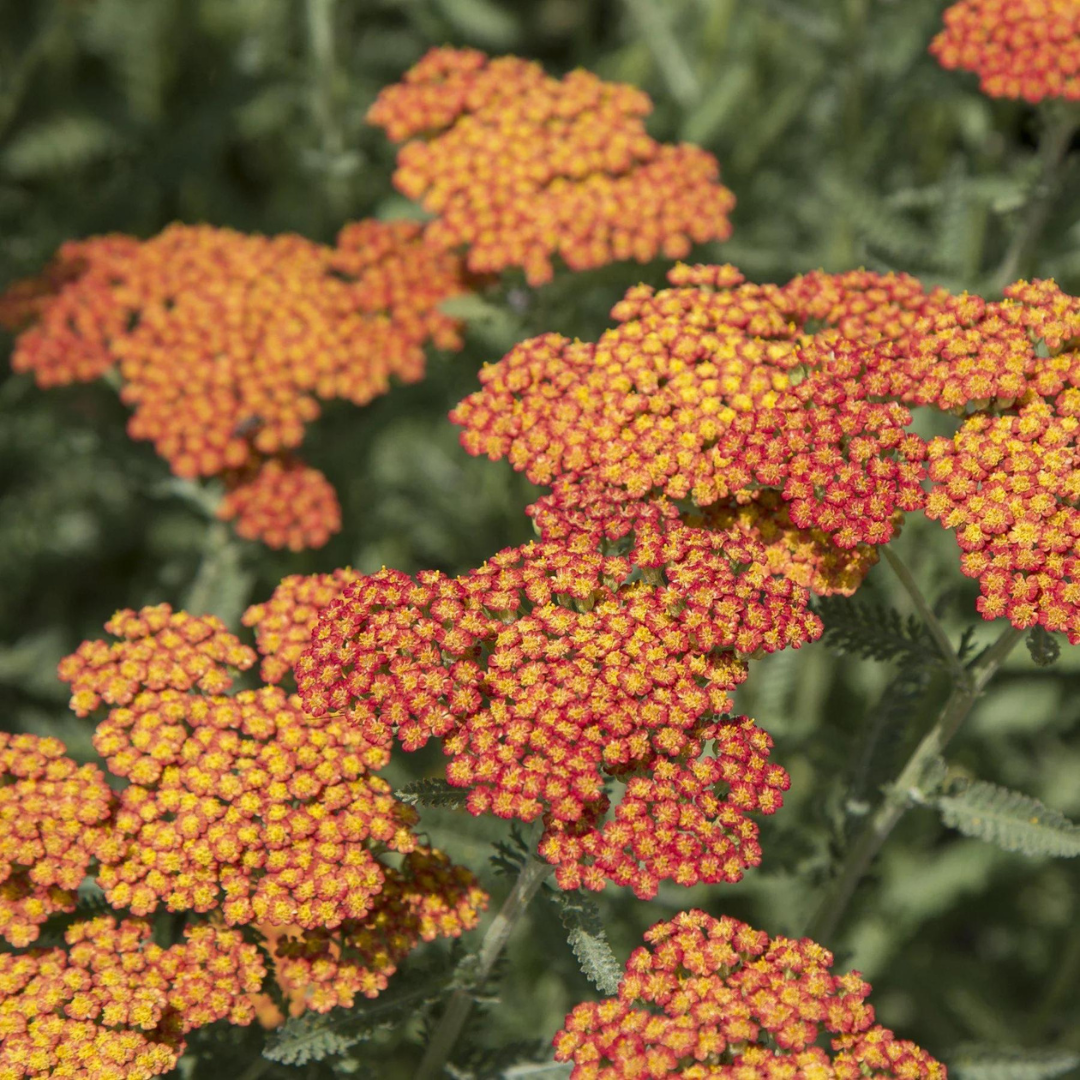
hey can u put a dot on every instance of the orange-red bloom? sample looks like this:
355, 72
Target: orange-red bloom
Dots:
52, 819
1026, 49
282, 502
552, 667
114, 1004
519, 167
707, 998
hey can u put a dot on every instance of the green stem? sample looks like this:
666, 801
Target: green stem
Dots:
933, 624
902, 793
320, 23
220, 586
532, 876
667, 52
1053, 150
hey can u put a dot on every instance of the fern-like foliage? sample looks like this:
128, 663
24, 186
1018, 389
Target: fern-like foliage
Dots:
1011, 820
585, 935
1011, 1063
317, 1036
1043, 646
544, 1070
432, 791
876, 632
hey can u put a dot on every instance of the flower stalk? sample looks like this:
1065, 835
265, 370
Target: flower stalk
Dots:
533, 874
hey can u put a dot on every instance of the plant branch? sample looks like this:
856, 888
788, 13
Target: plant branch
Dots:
1053, 150
532, 876
320, 24
905, 789
933, 624
220, 586
667, 52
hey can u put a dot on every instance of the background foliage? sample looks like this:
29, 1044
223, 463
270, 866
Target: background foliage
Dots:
845, 144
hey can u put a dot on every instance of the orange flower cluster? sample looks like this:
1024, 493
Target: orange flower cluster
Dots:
226, 343
1026, 49
1009, 485
283, 624
51, 822
519, 167
694, 396
115, 1004
553, 667
715, 998
283, 503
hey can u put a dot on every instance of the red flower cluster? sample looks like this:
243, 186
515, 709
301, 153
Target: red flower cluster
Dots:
52, 813
283, 624
519, 167
226, 342
553, 667
712, 997
283, 503
1026, 49
115, 1004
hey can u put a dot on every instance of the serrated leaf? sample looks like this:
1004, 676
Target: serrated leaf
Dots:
876, 632
1011, 1063
58, 145
432, 791
1011, 820
585, 935
307, 1038
1043, 646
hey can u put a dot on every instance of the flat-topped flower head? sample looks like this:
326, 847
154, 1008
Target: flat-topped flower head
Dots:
158, 649
1009, 486
112, 1003
53, 816
554, 668
282, 502
707, 998
1026, 49
283, 624
519, 167
681, 400
427, 898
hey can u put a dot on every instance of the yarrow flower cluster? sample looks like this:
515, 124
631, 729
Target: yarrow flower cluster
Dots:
1026, 49
115, 1004
553, 669
52, 815
226, 343
709, 997
519, 167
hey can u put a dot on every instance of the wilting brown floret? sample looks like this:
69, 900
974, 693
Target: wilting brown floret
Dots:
519, 167
1026, 49
551, 668
113, 1004
427, 898
226, 343
713, 999
1009, 486
282, 502
283, 624
52, 818
159, 649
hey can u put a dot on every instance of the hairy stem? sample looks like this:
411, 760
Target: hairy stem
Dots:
220, 586
899, 796
667, 52
933, 624
1053, 150
532, 876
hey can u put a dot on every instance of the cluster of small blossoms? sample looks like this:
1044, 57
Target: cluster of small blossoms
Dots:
112, 1003
320, 969
52, 815
283, 624
282, 502
519, 167
1026, 49
694, 396
714, 998
554, 669
1009, 486
226, 343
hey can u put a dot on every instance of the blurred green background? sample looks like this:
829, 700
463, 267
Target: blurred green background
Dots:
846, 146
